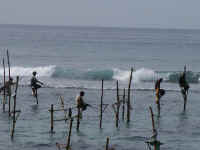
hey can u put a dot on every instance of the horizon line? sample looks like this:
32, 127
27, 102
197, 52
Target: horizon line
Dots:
96, 26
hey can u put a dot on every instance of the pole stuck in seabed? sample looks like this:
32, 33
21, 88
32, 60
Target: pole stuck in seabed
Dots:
153, 140
9, 96
123, 104
186, 92
78, 118
69, 135
52, 118
128, 102
14, 108
101, 106
118, 106
107, 143
4, 82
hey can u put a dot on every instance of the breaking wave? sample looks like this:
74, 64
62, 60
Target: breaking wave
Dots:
83, 74
139, 75
190, 76
27, 71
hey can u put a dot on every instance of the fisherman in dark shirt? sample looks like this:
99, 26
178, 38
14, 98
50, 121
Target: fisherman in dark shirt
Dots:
184, 86
34, 84
183, 83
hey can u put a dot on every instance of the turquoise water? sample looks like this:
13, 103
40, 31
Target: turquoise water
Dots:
70, 59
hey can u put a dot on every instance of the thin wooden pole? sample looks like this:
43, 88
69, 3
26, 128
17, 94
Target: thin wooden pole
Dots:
14, 108
185, 93
128, 103
70, 113
14, 119
52, 118
36, 96
123, 106
158, 106
8, 59
185, 102
107, 143
101, 106
118, 105
17, 83
63, 107
4, 89
152, 118
9, 96
153, 127
78, 118
69, 135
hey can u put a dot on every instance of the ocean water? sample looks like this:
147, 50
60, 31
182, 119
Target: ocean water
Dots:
70, 59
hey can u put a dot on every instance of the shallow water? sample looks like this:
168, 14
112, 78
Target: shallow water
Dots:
176, 129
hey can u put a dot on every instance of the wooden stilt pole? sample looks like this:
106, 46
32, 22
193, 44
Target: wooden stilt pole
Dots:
118, 106
70, 113
128, 103
62, 107
9, 96
107, 143
36, 96
123, 106
185, 92
52, 118
14, 108
14, 119
101, 107
185, 102
4, 82
78, 118
158, 107
152, 118
153, 128
69, 135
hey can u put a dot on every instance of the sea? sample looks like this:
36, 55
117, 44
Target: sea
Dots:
70, 59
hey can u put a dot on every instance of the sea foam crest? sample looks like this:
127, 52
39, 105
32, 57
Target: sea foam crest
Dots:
139, 75
149, 75
121, 74
145, 75
53, 71
27, 71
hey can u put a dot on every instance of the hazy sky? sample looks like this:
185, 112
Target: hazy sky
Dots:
120, 13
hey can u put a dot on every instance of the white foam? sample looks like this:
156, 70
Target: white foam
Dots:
27, 71
144, 74
139, 75
121, 75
